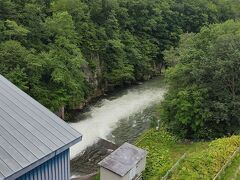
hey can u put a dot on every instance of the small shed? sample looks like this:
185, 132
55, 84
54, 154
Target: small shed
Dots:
34, 142
126, 163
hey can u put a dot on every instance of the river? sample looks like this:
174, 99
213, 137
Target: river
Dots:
120, 117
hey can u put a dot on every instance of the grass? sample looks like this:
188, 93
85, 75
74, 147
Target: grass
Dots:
206, 163
233, 170
203, 160
97, 177
163, 151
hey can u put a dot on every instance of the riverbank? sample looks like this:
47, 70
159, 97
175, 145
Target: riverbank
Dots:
69, 113
203, 159
118, 118
87, 164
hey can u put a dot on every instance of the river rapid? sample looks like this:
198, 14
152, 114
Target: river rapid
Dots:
120, 117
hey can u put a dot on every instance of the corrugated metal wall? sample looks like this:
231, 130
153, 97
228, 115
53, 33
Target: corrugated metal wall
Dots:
57, 168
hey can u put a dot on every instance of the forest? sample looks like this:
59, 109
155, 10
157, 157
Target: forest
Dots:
56, 50
203, 98
62, 51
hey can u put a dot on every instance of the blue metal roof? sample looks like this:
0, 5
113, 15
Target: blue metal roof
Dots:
29, 133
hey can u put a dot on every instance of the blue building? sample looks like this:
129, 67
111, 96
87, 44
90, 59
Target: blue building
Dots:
34, 142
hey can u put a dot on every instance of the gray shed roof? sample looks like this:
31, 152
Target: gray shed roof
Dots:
122, 160
29, 133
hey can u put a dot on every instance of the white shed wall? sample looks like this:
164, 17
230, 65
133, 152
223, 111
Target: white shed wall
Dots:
141, 166
105, 174
108, 175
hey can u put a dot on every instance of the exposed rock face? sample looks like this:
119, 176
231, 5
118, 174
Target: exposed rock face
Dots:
94, 76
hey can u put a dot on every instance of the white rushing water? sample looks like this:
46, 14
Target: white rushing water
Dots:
103, 118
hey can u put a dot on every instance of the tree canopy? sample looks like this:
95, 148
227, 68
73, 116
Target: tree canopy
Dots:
204, 95
61, 51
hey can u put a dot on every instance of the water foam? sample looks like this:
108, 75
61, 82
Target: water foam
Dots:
103, 119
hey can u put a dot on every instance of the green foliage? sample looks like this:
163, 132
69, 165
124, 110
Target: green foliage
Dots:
203, 160
61, 64
233, 170
14, 60
118, 71
164, 150
205, 163
203, 99
195, 14
227, 9
59, 51
158, 145
13, 30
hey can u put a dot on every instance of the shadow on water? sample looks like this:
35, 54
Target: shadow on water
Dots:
118, 118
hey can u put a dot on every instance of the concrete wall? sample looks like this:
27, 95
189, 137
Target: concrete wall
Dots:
109, 175
141, 166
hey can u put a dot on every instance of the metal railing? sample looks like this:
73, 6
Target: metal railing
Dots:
174, 167
227, 163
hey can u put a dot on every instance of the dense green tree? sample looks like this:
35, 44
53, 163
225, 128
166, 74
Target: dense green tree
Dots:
227, 9
61, 64
60, 51
204, 94
14, 60
136, 55
192, 15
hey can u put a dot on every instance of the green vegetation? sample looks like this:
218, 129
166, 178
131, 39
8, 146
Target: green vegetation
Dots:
61, 51
159, 159
202, 101
164, 150
203, 160
233, 170
205, 163
204, 94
